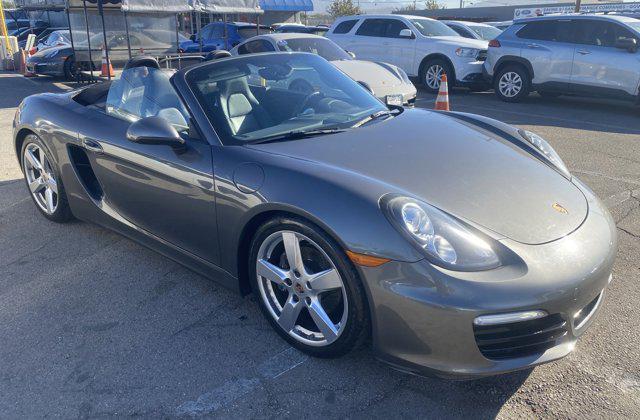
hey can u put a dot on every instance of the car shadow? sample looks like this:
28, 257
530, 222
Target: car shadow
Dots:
21, 87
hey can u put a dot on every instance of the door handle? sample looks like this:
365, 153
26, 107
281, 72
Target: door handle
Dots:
92, 145
533, 46
584, 52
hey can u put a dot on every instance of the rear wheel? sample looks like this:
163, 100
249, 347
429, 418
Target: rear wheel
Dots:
307, 288
43, 181
512, 83
431, 74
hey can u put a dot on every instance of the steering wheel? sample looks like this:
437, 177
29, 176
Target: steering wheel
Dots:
307, 102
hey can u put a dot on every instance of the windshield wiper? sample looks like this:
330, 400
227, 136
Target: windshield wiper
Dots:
298, 134
375, 116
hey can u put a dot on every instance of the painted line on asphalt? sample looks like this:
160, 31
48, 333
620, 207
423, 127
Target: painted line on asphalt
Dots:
528, 114
230, 391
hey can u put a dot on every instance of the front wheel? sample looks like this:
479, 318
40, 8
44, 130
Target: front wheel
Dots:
512, 84
307, 288
431, 74
43, 181
70, 69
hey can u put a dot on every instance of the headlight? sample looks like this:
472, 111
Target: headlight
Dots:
546, 150
444, 240
467, 52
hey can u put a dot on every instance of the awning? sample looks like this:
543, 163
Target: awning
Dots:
287, 5
227, 6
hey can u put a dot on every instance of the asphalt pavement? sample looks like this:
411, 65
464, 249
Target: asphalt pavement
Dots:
94, 325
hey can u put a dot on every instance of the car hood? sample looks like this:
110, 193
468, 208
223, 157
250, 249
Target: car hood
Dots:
372, 74
464, 42
469, 172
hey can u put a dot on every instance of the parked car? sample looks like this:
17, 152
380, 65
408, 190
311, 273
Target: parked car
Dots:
315, 30
388, 82
23, 33
60, 60
422, 47
212, 36
15, 24
463, 246
501, 25
473, 30
589, 55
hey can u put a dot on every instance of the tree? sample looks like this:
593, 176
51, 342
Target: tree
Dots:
343, 8
411, 7
432, 5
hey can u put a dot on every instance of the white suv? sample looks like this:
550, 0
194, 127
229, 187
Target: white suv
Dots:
420, 46
588, 55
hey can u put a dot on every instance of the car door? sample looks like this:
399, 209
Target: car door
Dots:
164, 191
397, 50
599, 67
548, 46
368, 39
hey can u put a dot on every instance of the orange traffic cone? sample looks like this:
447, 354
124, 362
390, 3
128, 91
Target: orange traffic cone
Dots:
107, 68
442, 101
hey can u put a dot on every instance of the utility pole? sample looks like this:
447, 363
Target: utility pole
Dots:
577, 10
461, 4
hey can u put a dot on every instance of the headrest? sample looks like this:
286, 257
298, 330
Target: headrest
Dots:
239, 105
142, 61
216, 55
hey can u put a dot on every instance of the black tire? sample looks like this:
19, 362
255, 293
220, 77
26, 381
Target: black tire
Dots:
356, 329
69, 68
520, 78
547, 94
62, 213
447, 69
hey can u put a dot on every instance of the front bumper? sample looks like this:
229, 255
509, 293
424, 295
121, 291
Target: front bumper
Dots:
423, 316
52, 68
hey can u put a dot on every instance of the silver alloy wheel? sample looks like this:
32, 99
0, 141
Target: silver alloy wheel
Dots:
433, 76
510, 84
296, 276
40, 178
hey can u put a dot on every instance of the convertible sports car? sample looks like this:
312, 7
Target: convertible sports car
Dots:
388, 82
462, 246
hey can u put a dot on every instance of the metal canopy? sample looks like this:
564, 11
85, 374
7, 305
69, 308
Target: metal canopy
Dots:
227, 6
287, 5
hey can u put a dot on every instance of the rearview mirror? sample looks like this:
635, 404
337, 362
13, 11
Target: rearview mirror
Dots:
406, 33
629, 44
154, 130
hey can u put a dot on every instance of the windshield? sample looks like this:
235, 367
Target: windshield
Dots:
323, 47
634, 25
430, 27
486, 32
256, 97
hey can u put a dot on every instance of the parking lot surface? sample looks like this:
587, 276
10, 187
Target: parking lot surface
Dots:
94, 325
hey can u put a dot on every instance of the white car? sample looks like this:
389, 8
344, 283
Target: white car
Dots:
422, 47
387, 82
473, 30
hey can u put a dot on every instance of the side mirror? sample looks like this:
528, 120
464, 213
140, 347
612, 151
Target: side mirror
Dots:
629, 44
193, 38
154, 130
351, 54
406, 33
366, 86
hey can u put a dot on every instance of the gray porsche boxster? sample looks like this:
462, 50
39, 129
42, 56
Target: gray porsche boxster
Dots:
460, 245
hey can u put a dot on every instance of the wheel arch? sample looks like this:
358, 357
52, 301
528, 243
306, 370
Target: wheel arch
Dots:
441, 56
20, 137
261, 215
514, 60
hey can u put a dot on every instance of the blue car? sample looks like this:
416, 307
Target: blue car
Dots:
213, 36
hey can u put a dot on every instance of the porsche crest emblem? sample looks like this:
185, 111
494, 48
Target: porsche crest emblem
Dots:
557, 207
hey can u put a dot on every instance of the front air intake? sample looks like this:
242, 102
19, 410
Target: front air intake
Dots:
520, 338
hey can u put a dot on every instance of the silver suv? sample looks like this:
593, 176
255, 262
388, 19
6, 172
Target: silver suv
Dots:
588, 55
